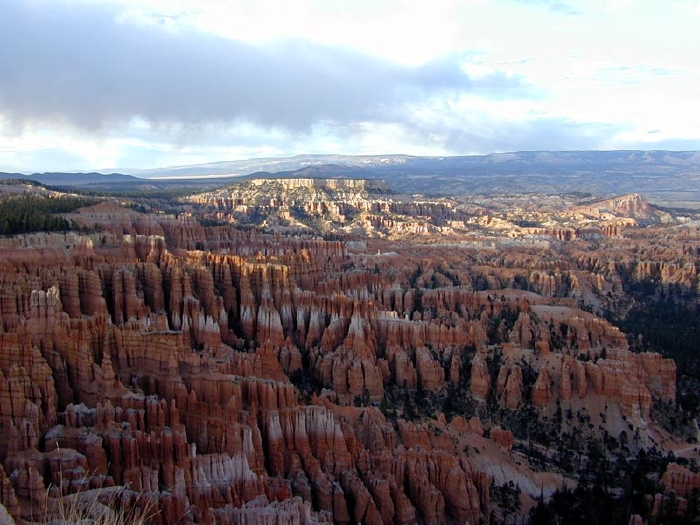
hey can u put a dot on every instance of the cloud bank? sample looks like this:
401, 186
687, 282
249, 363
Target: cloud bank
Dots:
80, 66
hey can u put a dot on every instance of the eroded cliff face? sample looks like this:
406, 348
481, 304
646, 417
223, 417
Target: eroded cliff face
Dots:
234, 377
334, 205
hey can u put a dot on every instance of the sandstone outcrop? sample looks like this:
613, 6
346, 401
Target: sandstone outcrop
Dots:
509, 385
503, 437
680, 480
480, 382
541, 391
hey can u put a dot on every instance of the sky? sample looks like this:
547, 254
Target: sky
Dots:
154, 83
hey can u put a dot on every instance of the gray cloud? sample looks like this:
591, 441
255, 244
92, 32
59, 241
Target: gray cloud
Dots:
76, 65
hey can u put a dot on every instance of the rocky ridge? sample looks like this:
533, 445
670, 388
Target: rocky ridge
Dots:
368, 208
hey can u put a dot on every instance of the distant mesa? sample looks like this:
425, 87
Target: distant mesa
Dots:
330, 188
632, 205
335, 183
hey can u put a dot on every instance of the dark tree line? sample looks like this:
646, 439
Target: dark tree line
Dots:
32, 213
664, 319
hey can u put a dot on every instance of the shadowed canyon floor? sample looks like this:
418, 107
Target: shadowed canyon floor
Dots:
430, 361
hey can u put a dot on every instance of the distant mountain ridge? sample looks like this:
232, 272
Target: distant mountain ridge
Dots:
670, 178
70, 179
504, 161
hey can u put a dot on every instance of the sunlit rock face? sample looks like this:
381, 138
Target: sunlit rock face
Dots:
230, 376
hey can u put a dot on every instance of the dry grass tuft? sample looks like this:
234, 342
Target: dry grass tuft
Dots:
102, 506
78, 501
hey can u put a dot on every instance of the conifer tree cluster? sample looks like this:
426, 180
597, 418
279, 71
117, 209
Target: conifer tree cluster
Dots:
32, 213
